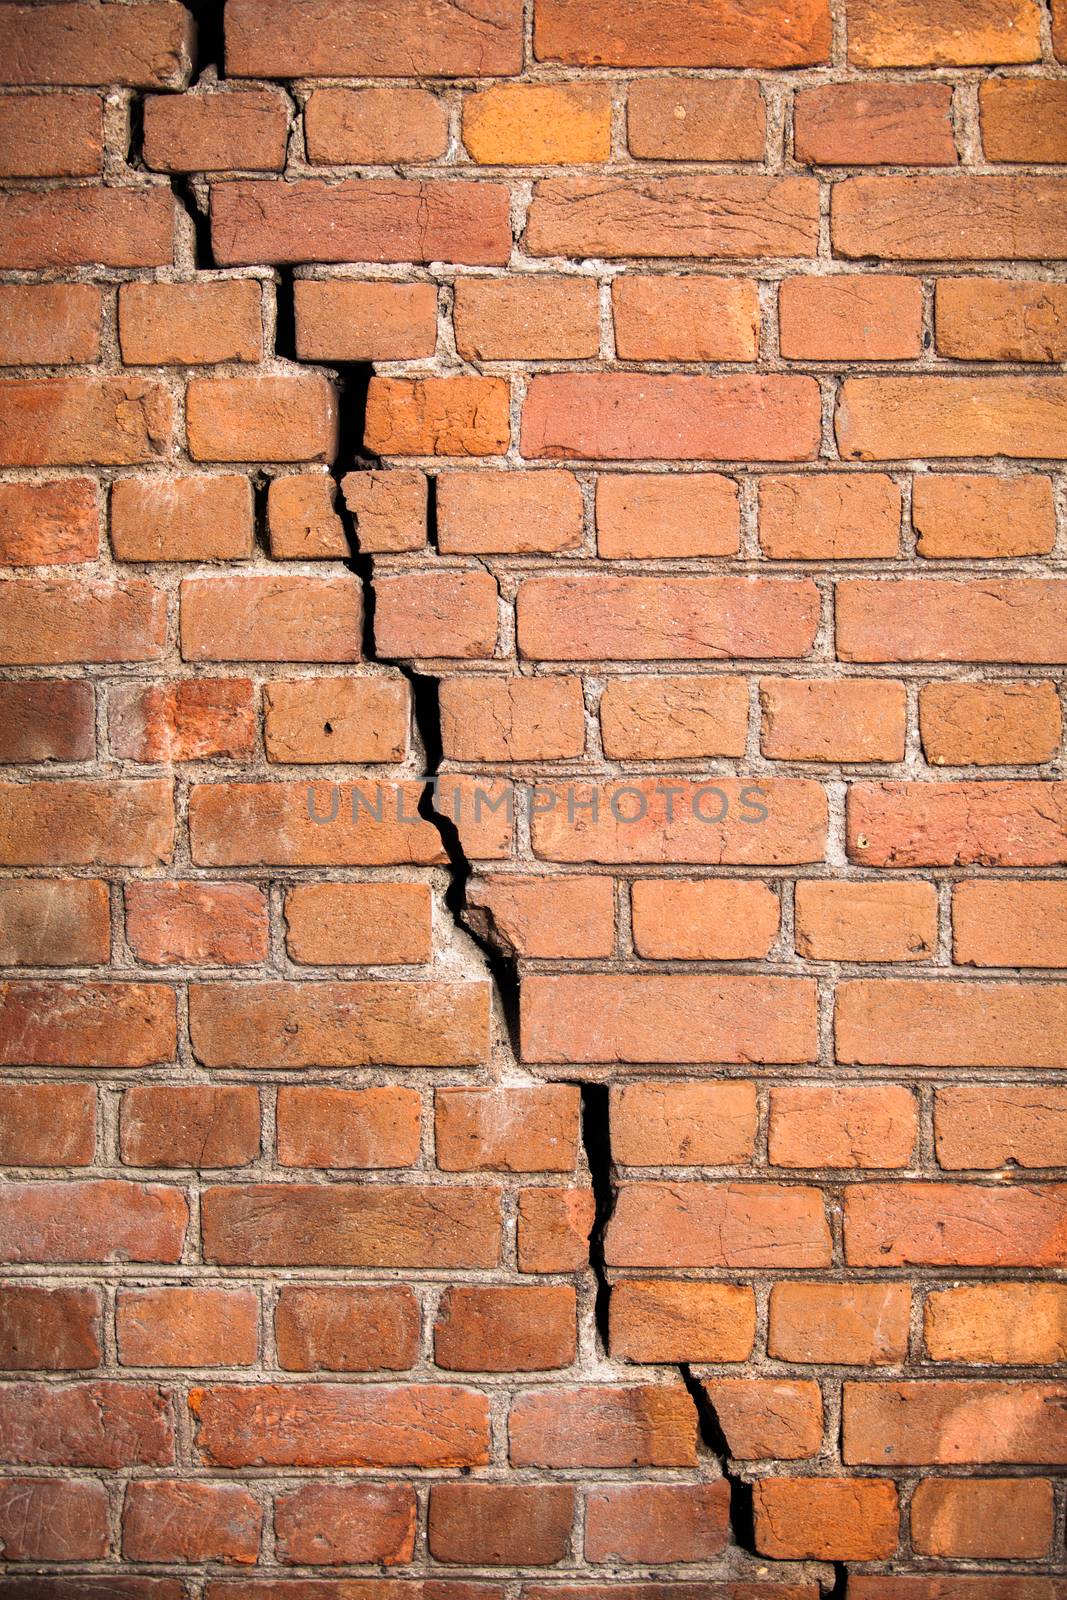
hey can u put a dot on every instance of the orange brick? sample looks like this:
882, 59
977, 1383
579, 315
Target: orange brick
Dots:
657, 1522
45, 1125
831, 516
881, 419
49, 325
359, 924
549, 918
219, 129
196, 924
958, 216
711, 919
1005, 924
955, 1225
59, 228
512, 719
997, 1324
683, 1124
955, 824
735, 1225
669, 34
1059, 30
484, 513
51, 136
190, 324
85, 822
342, 320
346, 1327
1000, 1125
670, 1320
826, 1519
861, 921
436, 613
843, 1125
981, 515
1024, 119
768, 1418
301, 518
643, 515
184, 721
101, 1220
181, 519
517, 1129
998, 1518
288, 824
462, 416
955, 33
897, 1022
182, 1125
50, 523
986, 724
187, 1327
341, 39
146, 49
641, 1425
850, 317
981, 319
54, 922
927, 620
527, 318
874, 124
821, 719
47, 719
389, 507
690, 119
919, 1422
336, 719
293, 418
685, 319
67, 421
554, 1228
268, 618
660, 718
374, 126
538, 125
327, 1127
853, 1324
482, 1328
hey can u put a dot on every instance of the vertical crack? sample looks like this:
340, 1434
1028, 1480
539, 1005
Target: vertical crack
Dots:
714, 1440
596, 1141
209, 50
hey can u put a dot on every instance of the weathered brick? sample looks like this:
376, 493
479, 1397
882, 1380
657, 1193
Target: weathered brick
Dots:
339, 38
957, 33
669, 34
457, 416
359, 924
54, 922
291, 418
661, 718
982, 515
346, 1327
850, 317
181, 519
822, 719
554, 1229
929, 619
187, 1125
186, 1327
548, 918
948, 1423
1009, 924
832, 516
658, 515
826, 1519
301, 518
343, 320
683, 1124
962, 1225
374, 126
512, 719
47, 1519
874, 124
83, 823
863, 921
842, 1125
47, 1125
649, 1425
527, 318
46, 1327
516, 1129
171, 1521
768, 1418
956, 217
1001, 1324
986, 724
334, 1524
87, 1220
500, 1524
99, 1424
527, 124
196, 924
322, 1126
145, 49
216, 130
69, 421
336, 719
272, 618
685, 319
1000, 1125
997, 1517
47, 719
710, 919
271, 824
1024, 119
691, 119
718, 1225
956, 824
444, 612
529, 1328
854, 1324
898, 1021
390, 508
49, 523
190, 324
489, 512
670, 1320
51, 136
657, 1522
81, 227
187, 720
82, 1024
981, 319
883, 419
49, 325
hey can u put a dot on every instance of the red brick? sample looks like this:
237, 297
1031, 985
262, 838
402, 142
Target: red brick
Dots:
527, 318
57, 1328
823, 719
658, 515
624, 416
181, 519
190, 324
83, 822
341, 1425
67, 421
508, 513
709, 919
54, 922
255, 223
734, 217
301, 518
956, 824
668, 1320
862, 921
1024, 120
145, 49
1001, 1518
1059, 30
196, 924
929, 619
896, 1022
327, 1127
554, 1229
685, 319
826, 1519
631, 1017
498, 1524
854, 1324
997, 1324
81, 227
982, 515
187, 720
374, 126
100, 1424
455, 416
359, 924
516, 1129
187, 1125
961, 1586
550, 918
49, 325
49, 524
923, 1422
51, 136
187, 1327
952, 217
881, 419
538, 124
342, 320
290, 418
946, 1224
354, 1224
340, 1024
958, 33
718, 1225
346, 1327
836, 516
664, 619
47, 1125
671, 33
390, 508
641, 1425
657, 1522
271, 618
217, 130
243, 824
339, 38
986, 724
45, 1519
874, 124
87, 1220
683, 1124
171, 1521
47, 719
339, 1524
51, 620
850, 317
842, 1125
530, 1328
982, 319
82, 1024
767, 1418
660, 718
512, 719
691, 119
336, 719
436, 613
1006, 924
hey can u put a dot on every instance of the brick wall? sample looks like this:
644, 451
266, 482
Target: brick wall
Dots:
625, 1169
